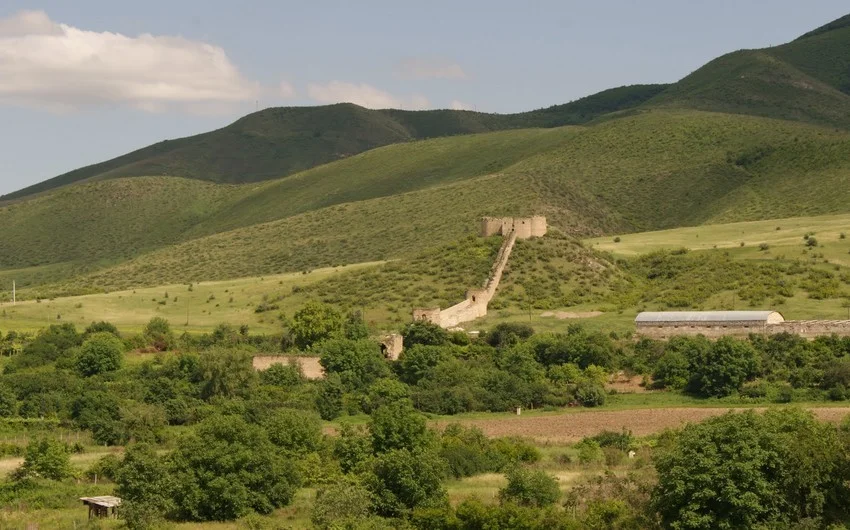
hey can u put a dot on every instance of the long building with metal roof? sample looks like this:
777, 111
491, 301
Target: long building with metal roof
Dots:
664, 324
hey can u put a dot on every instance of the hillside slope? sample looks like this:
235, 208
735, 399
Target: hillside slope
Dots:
653, 170
277, 142
807, 79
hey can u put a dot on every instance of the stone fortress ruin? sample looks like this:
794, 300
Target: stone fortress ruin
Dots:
475, 304
715, 324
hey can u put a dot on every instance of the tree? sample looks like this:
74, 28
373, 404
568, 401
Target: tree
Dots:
100, 353
418, 360
46, 458
294, 431
385, 391
340, 504
397, 426
425, 333
401, 480
723, 368
158, 334
8, 402
314, 323
144, 485
508, 334
358, 363
287, 376
226, 372
743, 470
329, 398
228, 467
101, 327
530, 487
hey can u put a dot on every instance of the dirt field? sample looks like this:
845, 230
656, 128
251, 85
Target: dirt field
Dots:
572, 427
310, 365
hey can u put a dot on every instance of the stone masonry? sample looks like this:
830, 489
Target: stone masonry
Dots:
475, 304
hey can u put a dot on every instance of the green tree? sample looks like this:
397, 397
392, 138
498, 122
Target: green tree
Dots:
314, 323
144, 485
384, 391
352, 447
743, 470
419, 360
158, 334
8, 401
402, 480
46, 458
100, 353
397, 426
723, 368
294, 431
530, 487
341, 505
101, 327
425, 333
358, 363
228, 467
226, 372
329, 398
287, 376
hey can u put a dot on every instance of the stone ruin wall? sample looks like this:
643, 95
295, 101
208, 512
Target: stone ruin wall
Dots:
804, 328
477, 300
524, 227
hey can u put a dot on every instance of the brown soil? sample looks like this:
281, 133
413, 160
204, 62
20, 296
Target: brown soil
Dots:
310, 365
563, 315
573, 426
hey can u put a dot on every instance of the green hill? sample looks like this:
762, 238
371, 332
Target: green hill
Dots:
277, 142
807, 79
653, 170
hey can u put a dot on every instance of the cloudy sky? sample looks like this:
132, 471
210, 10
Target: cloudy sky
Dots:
83, 81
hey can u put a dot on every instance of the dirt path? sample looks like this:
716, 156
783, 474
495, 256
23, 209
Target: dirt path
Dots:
573, 426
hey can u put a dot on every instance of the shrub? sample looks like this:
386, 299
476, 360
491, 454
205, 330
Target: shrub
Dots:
529, 487
590, 394
46, 458
101, 352
622, 440
589, 451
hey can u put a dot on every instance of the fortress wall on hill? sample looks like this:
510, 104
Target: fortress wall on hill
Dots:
475, 304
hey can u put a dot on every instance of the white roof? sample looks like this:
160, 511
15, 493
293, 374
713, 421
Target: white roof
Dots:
707, 316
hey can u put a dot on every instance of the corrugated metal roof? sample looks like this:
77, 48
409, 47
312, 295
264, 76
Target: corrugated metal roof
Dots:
705, 316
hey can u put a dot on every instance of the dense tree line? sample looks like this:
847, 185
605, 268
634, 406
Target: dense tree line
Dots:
249, 440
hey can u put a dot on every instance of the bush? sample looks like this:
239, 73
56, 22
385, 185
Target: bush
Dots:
46, 458
340, 505
100, 353
622, 440
590, 394
528, 487
402, 480
589, 451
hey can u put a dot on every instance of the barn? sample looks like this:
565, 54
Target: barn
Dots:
665, 324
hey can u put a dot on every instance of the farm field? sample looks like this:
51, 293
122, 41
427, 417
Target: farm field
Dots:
200, 309
570, 427
783, 236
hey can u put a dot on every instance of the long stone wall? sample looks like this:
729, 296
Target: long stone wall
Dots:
475, 304
805, 328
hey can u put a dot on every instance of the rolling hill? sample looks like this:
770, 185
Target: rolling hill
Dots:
807, 79
277, 142
769, 142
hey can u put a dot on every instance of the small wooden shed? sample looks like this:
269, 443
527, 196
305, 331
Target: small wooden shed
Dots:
105, 506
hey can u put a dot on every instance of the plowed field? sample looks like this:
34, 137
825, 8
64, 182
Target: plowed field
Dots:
573, 426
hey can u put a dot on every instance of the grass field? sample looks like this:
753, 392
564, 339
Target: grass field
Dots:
203, 307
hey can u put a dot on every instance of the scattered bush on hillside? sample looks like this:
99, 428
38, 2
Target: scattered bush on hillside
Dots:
530, 487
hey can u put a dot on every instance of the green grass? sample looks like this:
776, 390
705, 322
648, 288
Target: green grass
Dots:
277, 142
200, 309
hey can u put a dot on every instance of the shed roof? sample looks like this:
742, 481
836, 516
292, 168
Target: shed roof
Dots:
709, 316
107, 501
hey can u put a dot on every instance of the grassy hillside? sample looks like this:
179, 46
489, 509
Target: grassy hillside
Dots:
105, 221
277, 142
807, 79
652, 170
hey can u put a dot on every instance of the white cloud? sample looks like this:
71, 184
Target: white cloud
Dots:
54, 65
363, 95
287, 91
460, 105
430, 68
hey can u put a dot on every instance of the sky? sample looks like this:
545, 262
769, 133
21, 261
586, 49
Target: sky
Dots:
88, 80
